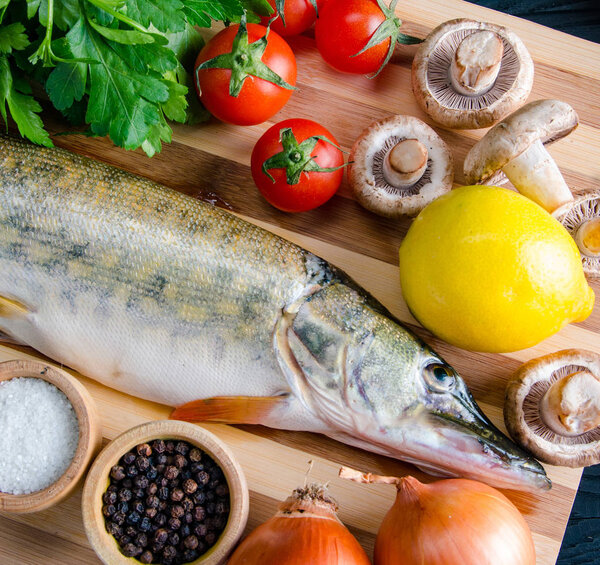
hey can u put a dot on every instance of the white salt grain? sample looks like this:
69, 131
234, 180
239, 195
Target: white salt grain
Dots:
39, 433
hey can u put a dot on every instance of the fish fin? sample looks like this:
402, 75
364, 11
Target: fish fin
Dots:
10, 308
230, 409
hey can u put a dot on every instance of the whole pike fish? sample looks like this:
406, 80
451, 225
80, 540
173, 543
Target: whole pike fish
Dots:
174, 300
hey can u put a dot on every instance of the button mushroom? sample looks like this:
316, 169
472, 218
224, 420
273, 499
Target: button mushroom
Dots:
581, 218
552, 407
515, 148
470, 74
399, 165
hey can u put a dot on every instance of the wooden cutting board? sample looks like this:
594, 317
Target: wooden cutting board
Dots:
212, 161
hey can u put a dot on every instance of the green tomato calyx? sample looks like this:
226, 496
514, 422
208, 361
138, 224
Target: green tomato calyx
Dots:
389, 29
296, 157
244, 60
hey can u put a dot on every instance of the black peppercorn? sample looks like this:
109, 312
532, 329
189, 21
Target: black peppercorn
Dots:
146, 557
195, 454
113, 529
142, 463
191, 542
163, 493
124, 540
158, 445
171, 472
160, 519
161, 536
210, 495
152, 489
152, 501
131, 550
133, 518
108, 510
139, 507
210, 538
199, 513
177, 494
151, 512
144, 449
119, 518
141, 540
200, 530
190, 486
189, 555
139, 493
221, 508
128, 458
222, 490
177, 511
112, 488
185, 530
127, 483
125, 495
162, 505
161, 459
117, 473
182, 447
169, 552
123, 507
174, 538
211, 508
174, 523
109, 497
141, 481
196, 467
179, 461
132, 471
169, 446
145, 524
199, 497
202, 478
151, 473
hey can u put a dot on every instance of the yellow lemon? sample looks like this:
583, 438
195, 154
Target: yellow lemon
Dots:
487, 269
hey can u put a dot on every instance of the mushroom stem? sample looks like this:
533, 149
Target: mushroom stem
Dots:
476, 63
587, 238
405, 163
571, 406
535, 175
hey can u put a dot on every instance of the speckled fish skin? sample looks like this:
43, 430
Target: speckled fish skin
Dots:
170, 299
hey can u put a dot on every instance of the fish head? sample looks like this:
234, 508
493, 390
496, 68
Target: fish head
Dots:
377, 385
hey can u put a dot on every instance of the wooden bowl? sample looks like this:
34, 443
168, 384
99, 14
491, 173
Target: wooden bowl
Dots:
97, 482
90, 437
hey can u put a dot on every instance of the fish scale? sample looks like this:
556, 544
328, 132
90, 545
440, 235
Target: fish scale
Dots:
174, 300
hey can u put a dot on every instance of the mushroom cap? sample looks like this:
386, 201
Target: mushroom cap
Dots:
521, 409
365, 171
546, 120
431, 81
572, 214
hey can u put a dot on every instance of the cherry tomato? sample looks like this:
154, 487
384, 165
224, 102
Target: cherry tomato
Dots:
258, 99
313, 187
343, 28
299, 15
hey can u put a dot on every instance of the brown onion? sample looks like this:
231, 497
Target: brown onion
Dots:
305, 530
449, 522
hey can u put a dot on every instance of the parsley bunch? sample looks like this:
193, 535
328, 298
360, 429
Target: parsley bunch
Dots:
121, 66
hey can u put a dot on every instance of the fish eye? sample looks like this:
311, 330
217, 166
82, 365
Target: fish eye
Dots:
438, 377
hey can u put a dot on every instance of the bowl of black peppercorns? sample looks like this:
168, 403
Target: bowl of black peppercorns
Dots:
165, 492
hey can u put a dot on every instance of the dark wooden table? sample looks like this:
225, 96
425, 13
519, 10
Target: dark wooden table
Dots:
581, 544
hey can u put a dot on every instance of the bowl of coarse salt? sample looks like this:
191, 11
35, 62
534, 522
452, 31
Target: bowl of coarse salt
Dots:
49, 432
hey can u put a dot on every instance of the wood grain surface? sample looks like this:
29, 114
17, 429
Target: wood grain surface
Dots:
212, 161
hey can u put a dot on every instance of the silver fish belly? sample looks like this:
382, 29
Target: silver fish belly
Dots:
170, 299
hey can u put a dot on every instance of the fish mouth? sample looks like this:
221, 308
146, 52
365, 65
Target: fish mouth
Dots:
479, 450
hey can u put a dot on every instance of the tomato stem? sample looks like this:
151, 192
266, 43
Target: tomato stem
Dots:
388, 29
296, 157
244, 60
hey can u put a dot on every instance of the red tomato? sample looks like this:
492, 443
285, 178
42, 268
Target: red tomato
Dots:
343, 28
299, 16
258, 99
314, 188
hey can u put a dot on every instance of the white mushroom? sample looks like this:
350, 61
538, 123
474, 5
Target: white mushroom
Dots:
470, 74
515, 148
552, 407
581, 218
399, 165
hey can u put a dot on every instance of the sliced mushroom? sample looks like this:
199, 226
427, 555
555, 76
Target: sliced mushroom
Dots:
515, 148
581, 218
552, 407
398, 166
469, 74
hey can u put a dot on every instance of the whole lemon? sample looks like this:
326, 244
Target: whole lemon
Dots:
487, 269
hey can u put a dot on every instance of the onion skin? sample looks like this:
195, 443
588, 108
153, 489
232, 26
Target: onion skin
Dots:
453, 522
305, 531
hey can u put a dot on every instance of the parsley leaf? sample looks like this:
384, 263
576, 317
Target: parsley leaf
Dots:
12, 37
23, 108
200, 12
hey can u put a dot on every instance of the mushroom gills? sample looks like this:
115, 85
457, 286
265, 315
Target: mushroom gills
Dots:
405, 163
571, 406
476, 63
535, 175
588, 238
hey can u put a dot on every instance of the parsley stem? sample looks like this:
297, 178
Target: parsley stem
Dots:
118, 15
